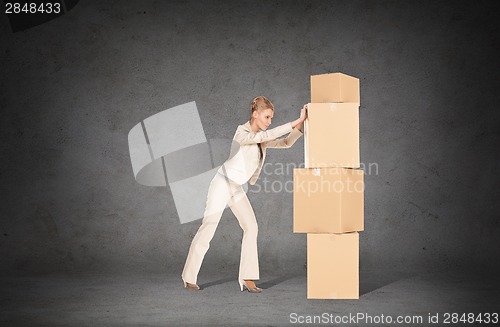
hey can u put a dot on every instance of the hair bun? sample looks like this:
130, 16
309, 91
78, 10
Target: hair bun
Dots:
259, 103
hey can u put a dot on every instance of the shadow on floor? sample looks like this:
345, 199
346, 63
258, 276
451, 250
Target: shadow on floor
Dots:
369, 283
276, 281
264, 285
216, 282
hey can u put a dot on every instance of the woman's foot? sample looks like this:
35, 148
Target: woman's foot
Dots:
192, 287
250, 286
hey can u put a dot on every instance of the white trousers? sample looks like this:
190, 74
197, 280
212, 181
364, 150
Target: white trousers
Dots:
223, 191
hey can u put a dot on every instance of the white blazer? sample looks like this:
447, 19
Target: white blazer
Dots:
243, 164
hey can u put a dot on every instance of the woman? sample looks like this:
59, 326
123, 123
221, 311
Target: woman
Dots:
245, 162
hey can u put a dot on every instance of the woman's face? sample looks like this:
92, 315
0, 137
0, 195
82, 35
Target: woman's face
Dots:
263, 118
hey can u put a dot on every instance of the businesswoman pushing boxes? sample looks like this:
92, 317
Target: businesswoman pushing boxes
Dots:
244, 165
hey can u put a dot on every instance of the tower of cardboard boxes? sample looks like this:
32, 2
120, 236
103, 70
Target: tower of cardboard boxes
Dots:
328, 193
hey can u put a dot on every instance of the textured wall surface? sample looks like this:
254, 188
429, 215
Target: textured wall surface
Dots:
71, 90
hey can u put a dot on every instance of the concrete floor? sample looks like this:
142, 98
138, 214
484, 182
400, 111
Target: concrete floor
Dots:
160, 300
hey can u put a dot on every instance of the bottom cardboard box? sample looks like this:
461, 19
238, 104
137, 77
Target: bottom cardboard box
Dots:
333, 266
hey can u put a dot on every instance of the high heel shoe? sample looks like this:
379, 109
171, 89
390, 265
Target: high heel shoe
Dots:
192, 287
243, 285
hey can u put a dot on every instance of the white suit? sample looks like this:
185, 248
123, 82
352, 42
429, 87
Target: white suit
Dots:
243, 165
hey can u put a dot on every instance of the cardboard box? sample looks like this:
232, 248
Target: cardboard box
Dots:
333, 266
328, 200
336, 87
331, 135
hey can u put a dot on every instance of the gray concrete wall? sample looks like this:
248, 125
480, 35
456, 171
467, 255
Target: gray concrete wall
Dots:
71, 90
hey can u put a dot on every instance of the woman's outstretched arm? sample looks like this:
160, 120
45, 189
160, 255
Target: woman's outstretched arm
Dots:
243, 136
297, 132
285, 142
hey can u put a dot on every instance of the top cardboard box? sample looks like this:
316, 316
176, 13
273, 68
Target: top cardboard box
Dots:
335, 87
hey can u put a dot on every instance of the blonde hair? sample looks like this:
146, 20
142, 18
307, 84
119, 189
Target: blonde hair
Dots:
260, 103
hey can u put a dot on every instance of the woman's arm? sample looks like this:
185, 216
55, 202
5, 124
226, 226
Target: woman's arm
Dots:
243, 136
293, 136
299, 127
285, 142
303, 116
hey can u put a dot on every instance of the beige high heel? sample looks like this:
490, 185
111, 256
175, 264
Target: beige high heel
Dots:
243, 285
192, 287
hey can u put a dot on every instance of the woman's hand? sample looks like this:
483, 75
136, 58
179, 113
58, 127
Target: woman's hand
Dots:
303, 113
303, 116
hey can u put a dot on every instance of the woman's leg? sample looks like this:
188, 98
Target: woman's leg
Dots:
249, 261
219, 193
